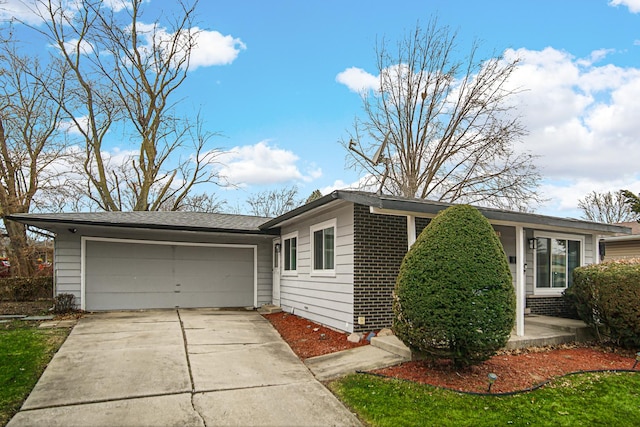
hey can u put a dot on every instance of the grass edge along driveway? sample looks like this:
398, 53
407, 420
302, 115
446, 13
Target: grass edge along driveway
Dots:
25, 352
589, 399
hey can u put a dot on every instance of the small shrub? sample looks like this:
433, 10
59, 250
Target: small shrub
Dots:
64, 303
454, 297
607, 297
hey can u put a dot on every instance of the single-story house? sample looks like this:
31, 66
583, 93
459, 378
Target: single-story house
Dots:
623, 246
333, 260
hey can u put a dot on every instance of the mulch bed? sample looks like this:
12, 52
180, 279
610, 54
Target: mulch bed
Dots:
516, 369
308, 339
27, 308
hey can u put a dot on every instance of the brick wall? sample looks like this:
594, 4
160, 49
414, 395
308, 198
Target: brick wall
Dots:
380, 243
550, 306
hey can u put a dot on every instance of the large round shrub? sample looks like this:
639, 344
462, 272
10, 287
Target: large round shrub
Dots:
607, 296
454, 297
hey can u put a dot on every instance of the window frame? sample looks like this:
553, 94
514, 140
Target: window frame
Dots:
550, 291
283, 269
332, 223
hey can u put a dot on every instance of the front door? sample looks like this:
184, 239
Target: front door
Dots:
276, 272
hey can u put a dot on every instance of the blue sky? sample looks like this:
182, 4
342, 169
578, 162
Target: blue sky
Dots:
266, 79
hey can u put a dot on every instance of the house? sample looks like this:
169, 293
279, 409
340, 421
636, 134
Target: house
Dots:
623, 246
333, 260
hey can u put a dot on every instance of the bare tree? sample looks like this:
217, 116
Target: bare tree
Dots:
633, 201
195, 203
447, 124
123, 77
607, 207
274, 202
30, 144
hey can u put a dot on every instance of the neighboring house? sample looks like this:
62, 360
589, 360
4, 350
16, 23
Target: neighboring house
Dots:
333, 261
623, 246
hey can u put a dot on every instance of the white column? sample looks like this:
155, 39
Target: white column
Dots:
596, 248
520, 280
411, 230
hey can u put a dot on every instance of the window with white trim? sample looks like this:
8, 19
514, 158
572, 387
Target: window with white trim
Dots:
290, 252
323, 247
555, 259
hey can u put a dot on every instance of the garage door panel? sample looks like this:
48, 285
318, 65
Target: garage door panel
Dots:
145, 267
122, 275
133, 300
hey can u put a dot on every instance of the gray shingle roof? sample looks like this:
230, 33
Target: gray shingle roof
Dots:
430, 207
197, 221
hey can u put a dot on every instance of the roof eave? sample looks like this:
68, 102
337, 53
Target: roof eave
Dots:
39, 222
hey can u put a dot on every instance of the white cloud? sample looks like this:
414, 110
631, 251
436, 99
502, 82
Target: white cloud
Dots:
208, 47
582, 122
580, 117
213, 48
27, 10
20, 10
633, 5
366, 183
263, 164
84, 46
564, 195
358, 80
70, 127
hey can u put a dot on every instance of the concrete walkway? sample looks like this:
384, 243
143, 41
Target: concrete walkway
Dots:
197, 367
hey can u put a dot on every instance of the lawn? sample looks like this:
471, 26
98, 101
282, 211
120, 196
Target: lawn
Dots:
25, 351
593, 399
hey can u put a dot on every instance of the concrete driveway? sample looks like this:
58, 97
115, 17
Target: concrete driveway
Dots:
198, 367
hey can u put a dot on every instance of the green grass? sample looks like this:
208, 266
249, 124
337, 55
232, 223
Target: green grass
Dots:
594, 399
25, 351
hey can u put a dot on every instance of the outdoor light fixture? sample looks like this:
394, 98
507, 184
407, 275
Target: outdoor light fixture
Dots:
278, 247
532, 243
73, 230
492, 379
637, 360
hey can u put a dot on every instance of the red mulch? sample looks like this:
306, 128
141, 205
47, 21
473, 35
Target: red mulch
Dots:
309, 339
516, 369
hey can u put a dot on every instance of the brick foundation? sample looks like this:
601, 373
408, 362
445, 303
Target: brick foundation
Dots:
555, 306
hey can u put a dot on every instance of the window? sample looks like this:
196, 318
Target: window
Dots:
556, 258
323, 246
290, 252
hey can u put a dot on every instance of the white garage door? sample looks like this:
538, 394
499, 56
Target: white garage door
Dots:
127, 275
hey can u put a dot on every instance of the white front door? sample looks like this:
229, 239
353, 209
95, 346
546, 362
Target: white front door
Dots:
276, 272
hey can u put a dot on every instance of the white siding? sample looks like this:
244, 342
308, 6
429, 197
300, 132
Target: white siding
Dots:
326, 300
66, 262
622, 249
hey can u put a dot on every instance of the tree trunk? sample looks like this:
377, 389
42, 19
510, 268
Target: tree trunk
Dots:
20, 254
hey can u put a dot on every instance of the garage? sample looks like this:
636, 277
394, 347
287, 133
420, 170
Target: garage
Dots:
121, 274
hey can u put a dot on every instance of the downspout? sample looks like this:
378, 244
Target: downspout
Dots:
411, 231
520, 280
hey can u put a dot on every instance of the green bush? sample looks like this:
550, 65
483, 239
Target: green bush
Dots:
454, 297
607, 296
26, 288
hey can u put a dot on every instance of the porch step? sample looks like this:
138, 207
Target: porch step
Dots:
536, 340
392, 344
269, 308
581, 330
